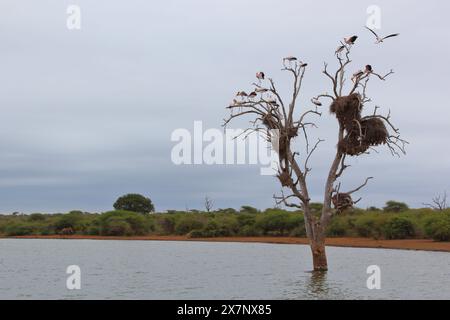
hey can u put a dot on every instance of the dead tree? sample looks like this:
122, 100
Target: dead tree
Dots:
357, 134
438, 203
208, 204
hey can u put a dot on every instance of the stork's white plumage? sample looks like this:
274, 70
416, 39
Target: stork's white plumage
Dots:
235, 103
350, 40
271, 101
252, 95
381, 39
339, 49
357, 75
289, 59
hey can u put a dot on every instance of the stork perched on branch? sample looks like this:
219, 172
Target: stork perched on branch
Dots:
260, 75
289, 59
358, 74
340, 49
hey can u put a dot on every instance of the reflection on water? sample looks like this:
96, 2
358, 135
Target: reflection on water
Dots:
31, 269
317, 285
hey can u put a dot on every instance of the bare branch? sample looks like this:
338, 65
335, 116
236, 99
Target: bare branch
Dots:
439, 202
360, 187
307, 169
283, 200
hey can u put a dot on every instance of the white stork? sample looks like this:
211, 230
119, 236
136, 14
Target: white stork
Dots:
339, 49
357, 75
381, 39
350, 40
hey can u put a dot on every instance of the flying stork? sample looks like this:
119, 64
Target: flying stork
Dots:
350, 40
381, 39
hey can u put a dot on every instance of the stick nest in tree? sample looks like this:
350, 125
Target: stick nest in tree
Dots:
374, 131
361, 133
347, 109
285, 178
342, 202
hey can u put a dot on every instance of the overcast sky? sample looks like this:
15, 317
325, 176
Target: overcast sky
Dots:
87, 115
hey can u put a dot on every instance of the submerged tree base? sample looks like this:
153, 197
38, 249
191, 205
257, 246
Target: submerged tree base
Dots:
319, 258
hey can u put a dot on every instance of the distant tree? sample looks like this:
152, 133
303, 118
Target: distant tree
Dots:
395, 206
135, 203
438, 203
208, 204
36, 217
373, 209
248, 209
226, 210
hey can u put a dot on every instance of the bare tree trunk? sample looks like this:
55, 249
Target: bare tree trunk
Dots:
316, 237
319, 256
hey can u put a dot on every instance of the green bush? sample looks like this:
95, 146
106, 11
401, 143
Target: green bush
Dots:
19, 229
226, 225
188, 223
368, 226
279, 223
93, 230
72, 220
133, 223
338, 227
116, 227
298, 232
395, 206
36, 217
438, 228
249, 231
245, 219
398, 228
165, 224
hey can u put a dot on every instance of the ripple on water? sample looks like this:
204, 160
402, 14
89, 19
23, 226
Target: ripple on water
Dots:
33, 269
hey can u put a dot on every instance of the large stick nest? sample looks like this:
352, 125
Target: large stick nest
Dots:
374, 131
347, 109
361, 133
342, 202
285, 178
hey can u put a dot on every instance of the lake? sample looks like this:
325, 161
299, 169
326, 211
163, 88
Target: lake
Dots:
110, 269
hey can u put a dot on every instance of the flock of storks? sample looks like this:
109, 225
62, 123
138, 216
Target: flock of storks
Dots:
349, 41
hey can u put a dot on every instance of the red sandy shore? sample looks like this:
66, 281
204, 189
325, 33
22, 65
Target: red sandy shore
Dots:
410, 244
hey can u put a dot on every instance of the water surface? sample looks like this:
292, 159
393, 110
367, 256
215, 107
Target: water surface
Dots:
110, 269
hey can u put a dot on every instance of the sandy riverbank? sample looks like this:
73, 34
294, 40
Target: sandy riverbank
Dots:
410, 244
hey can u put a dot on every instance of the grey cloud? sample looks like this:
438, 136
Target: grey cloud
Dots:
87, 116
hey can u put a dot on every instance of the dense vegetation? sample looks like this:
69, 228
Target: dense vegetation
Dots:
400, 223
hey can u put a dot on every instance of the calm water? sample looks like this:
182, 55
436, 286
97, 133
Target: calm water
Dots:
36, 269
